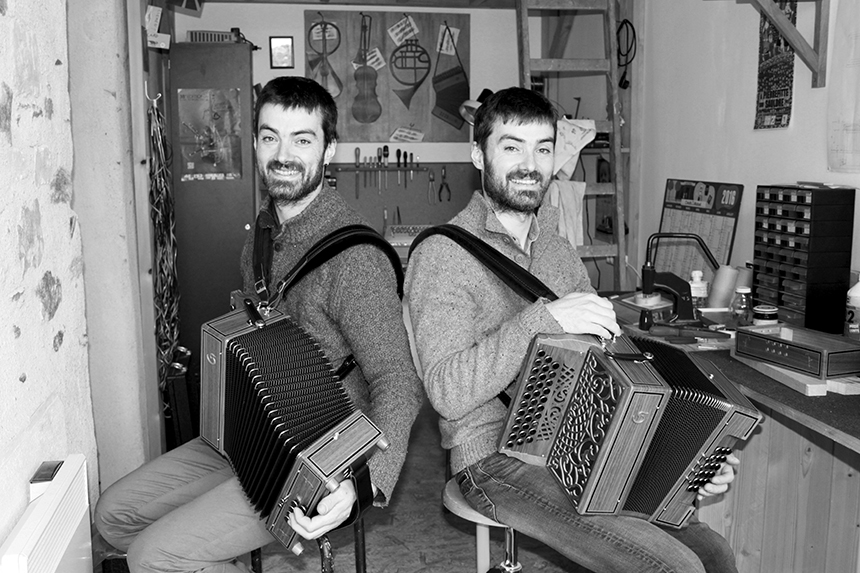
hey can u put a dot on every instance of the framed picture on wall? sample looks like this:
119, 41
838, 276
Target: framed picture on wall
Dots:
281, 53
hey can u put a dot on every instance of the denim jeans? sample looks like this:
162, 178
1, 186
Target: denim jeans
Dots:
183, 511
528, 498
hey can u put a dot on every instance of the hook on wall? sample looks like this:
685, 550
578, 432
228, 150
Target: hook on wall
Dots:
146, 92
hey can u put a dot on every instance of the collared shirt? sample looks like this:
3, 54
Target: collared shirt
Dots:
531, 237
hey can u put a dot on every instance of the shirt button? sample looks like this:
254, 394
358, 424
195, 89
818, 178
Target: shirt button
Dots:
520, 258
278, 246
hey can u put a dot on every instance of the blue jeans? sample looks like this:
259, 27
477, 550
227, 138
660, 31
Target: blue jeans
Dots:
183, 511
527, 498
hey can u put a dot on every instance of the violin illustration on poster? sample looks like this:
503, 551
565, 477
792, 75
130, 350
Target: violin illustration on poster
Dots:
392, 72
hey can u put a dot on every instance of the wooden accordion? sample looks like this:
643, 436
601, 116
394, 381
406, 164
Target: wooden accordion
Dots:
272, 405
630, 426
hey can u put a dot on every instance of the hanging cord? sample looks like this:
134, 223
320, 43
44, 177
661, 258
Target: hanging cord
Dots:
166, 289
626, 35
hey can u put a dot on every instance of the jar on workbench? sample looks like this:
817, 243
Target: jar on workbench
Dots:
742, 306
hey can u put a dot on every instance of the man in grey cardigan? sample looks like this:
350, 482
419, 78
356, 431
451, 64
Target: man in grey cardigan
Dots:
186, 511
472, 332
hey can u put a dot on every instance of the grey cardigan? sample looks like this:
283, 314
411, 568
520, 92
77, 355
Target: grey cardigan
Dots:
472, 331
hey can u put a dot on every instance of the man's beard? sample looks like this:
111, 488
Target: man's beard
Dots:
500, 192
283, 192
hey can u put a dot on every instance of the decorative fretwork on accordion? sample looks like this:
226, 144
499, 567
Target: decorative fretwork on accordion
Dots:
630, 426
272, 405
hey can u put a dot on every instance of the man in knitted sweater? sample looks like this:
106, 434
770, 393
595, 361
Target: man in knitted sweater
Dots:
186, 511
472, 332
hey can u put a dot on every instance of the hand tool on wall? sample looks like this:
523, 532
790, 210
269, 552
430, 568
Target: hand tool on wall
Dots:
411, 161
431, 187
378, 174
366, 165
398, 167
357, 168
385, 162
444, 189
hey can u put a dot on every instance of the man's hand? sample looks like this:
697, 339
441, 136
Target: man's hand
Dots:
719, 484
332, 510
583, 313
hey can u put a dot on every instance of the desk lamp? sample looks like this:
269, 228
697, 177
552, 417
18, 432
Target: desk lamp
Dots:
670, 283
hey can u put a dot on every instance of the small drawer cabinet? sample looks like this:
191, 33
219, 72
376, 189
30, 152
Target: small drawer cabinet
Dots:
802, 253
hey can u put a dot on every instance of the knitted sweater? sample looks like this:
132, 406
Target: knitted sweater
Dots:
350, 306
472, 331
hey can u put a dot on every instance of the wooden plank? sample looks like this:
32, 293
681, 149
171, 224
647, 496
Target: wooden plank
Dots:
592, 189
844, 525
522, 14
781, 497
592, 251
806, 385
810, 56
570, 65
816, 466
568, 4
746, 534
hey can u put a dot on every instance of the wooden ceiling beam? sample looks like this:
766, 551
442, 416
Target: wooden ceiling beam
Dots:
403, 4
814, 56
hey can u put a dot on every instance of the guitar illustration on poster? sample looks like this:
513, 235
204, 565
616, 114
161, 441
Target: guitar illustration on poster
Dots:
324, 39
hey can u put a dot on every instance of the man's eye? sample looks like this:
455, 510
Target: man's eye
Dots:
512, 148
267, 138
545, 150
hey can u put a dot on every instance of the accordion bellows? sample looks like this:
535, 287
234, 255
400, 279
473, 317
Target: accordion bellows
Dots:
272, 405
620, 433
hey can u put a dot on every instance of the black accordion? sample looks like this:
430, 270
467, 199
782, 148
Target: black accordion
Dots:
272, 404
630, 426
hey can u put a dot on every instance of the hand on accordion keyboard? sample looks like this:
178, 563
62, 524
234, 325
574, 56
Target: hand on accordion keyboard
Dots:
719, 484
585, 313
332, 510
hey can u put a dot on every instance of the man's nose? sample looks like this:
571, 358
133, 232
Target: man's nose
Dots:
285, 152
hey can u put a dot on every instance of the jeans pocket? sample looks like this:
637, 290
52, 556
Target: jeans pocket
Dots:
474, 495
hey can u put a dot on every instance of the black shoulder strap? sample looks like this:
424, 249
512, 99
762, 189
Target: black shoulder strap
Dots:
332, 244
519, 279
336, 242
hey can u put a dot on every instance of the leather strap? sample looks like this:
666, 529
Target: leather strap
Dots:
519, 279
363, 493
332, 244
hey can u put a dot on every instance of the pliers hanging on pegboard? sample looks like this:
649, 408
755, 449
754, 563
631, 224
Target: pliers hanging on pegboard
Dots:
444, 189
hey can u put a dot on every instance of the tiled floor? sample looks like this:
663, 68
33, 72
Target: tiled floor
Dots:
413, 534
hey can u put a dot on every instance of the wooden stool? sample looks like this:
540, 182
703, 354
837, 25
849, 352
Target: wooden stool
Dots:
453, 500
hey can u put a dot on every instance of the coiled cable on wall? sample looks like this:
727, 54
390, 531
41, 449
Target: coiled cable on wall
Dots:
165, 284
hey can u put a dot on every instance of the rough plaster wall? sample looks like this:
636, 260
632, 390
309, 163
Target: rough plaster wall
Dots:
46, 409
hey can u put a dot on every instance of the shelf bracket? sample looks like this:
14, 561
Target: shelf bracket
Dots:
815, 56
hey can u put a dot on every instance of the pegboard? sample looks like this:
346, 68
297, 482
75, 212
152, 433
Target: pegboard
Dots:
410, 195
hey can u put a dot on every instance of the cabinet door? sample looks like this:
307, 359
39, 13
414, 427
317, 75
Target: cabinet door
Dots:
213, 176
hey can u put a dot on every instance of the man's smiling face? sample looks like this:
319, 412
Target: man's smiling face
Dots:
291, 152
516, 163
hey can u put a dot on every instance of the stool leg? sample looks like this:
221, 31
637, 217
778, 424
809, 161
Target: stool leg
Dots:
257, 560
511, 564
358, 528
482, 534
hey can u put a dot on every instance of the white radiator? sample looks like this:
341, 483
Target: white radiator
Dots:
53, 535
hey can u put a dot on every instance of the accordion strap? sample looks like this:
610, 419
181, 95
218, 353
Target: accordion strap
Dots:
519, 279
332, 244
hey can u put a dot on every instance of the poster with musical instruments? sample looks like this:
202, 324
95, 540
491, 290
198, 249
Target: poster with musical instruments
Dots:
395, 76
210, 139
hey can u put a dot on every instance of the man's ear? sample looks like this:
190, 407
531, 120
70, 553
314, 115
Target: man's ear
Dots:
328, 155
477, 156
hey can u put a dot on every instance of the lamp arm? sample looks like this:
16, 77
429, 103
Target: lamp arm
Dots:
653, 239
